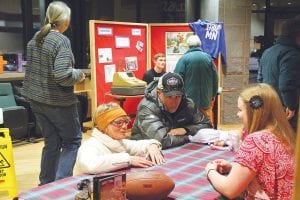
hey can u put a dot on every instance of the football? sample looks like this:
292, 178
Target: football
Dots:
148, 185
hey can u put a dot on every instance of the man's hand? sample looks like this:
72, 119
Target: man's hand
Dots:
177, 131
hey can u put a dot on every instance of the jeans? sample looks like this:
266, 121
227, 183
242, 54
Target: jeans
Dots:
61, 130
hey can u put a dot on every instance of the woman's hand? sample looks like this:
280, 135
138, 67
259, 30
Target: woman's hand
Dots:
155, 155
210, 166
220, 165
82, 78
223, 166
138, 161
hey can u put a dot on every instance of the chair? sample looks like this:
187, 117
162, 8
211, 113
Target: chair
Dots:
14, 117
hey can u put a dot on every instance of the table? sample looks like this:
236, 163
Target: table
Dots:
184, 164
17, 78
12, 76
8, 76
122, 98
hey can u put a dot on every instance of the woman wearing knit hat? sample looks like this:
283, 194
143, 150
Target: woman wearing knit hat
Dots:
108, 149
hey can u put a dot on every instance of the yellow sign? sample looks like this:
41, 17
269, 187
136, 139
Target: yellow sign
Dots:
8, 183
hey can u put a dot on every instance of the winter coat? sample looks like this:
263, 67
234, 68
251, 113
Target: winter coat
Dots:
101, 153
199, 75
154, 121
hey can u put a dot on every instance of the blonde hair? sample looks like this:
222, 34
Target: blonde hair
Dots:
56, 15
270, 114
106, 113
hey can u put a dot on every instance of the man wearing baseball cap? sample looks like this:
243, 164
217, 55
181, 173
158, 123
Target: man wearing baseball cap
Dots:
166, 114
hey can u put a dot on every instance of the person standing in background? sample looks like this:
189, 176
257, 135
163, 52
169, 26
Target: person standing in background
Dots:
200, 76
280, 67
158, 70
49, 83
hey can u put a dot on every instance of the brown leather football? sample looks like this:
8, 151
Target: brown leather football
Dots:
148, 185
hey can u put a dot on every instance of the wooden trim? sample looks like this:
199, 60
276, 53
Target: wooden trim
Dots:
220, 70
93, 66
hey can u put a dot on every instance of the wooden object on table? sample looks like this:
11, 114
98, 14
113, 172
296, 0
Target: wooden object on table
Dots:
84, 86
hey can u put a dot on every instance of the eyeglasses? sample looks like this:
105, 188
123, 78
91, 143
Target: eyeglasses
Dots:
120, 122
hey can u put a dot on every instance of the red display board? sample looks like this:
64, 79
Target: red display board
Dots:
116, 46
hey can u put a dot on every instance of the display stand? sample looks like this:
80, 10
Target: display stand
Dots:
115, 47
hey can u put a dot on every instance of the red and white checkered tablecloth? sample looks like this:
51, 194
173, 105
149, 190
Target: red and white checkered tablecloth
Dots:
184, 164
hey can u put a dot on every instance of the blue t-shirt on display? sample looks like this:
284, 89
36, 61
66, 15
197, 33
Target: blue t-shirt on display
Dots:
212, 37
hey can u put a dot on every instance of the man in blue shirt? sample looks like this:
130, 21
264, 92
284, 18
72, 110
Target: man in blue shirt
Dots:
280, 67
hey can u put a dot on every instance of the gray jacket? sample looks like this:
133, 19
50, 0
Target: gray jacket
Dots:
153, 121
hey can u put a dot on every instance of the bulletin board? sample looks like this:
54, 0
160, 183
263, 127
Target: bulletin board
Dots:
114, 47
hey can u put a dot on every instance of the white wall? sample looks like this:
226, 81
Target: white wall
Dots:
257, 29
210, 10
257, 24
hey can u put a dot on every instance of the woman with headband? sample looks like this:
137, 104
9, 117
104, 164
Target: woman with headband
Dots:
108, 149
263, 167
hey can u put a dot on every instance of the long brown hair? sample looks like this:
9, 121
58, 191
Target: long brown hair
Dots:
264, 110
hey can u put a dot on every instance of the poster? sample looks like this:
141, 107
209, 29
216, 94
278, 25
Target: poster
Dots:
105, 55
176, 46
109, 71
122, 42
131, 63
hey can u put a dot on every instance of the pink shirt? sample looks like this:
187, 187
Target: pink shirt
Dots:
273, 163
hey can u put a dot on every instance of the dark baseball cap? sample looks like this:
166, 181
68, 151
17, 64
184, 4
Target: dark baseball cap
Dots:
171, 84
